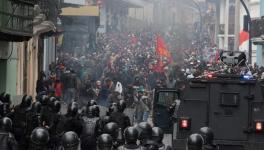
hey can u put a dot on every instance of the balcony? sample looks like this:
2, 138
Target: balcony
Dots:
16, 17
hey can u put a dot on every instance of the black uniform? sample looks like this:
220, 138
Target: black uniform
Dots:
7, 139
20, 117
131, 135
73, 121
121, 119
90, 128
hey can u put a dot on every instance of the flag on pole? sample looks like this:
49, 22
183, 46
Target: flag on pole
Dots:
243, 41
162, 50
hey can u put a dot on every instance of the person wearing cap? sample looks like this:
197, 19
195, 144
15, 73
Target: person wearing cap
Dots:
140, 105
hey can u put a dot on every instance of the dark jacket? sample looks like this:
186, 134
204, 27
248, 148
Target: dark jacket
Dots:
7, 141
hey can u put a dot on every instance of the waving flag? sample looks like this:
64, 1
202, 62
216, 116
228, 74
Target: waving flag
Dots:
243, 41
161, 48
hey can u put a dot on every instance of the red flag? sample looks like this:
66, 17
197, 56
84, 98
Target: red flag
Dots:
161, 49
243, 41
159, 67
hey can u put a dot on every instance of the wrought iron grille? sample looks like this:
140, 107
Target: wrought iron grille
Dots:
16, 16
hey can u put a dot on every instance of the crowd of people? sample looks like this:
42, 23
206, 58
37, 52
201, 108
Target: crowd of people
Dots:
40, 125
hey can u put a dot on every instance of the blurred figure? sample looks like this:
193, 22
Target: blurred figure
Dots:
39, 139
70, 141
7, 139
105, 142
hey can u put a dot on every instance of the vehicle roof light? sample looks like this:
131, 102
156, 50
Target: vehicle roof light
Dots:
259, 126
210, 75
247, 77
184, 123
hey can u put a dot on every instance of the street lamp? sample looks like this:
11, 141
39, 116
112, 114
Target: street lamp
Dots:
249, 31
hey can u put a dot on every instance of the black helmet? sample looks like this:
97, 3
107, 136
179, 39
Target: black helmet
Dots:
7, 98
52, 100
96, 110
145, 131
131, 135
56, 106
44, 100
157, 134
70, 140
39, 137
90, 112
36, 107
105, 142
121, 106
72, 109
195, 142
207, 134
91, 103
112, 108
112, 129
6, 124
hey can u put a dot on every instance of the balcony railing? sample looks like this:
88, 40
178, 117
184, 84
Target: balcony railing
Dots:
16, 17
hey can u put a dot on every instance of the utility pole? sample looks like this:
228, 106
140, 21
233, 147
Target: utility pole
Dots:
226, 24
237, 24
249, 32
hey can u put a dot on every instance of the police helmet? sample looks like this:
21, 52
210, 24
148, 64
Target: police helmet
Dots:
70, 140
157, 134
90, 111
56, 106
91, 103
73, 109
112, 129
207, 134
44, 100
52, 100
36, 107
121, 106
112, 108
131, 135
40, 136
105, 142
6, 124
96, 110
195, 142
145, 131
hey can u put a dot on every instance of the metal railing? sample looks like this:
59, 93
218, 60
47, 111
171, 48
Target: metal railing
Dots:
16, 16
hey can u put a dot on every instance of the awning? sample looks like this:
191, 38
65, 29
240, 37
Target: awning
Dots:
81, 11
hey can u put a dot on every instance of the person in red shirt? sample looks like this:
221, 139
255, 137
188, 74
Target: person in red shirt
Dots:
58, 89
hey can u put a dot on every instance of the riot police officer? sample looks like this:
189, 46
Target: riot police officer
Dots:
112, 108
35, 119
90, 129
91, 103
145, 132
119, 117
46, 111
208, 136
70, 141
73, 121
8, 141
113, 129
157, 137
131, 135
20, 117
39, 139
195, 142
5, 103
105, 142
102, 122
56, 129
